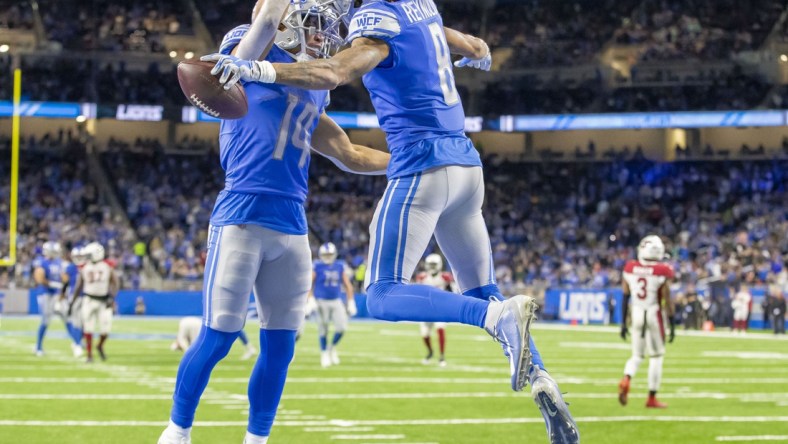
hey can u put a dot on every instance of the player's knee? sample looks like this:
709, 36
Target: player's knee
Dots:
376, 300
228, 322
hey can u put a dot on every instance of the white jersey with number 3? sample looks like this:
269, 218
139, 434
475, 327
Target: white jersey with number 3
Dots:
96, 277
644, 282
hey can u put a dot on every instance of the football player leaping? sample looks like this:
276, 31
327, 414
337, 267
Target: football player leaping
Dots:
646, 282
328, 281
436, 184
73, 300
258, 233
434, 276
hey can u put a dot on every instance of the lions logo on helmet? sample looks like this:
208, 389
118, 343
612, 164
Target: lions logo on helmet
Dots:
651, 249
94, 251
433, 264
328, 253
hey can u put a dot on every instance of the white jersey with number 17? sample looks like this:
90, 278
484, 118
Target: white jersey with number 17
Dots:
96, 277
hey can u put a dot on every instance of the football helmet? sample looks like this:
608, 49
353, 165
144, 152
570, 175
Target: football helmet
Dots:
328, 252
304, 18
78, 257
433, 264
94, 251
51, 250
651, 249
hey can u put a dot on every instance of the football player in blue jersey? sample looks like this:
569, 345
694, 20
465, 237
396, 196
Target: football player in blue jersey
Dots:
328, 281
258, 231
436, 186
67, 296
49, 274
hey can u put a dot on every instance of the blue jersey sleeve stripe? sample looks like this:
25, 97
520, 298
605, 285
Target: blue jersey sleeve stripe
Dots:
371, 33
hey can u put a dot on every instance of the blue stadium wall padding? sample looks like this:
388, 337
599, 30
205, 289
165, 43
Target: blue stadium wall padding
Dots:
582, 305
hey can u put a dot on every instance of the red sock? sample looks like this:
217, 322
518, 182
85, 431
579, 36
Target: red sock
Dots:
442, 340
89, 344
428, 343
102, 338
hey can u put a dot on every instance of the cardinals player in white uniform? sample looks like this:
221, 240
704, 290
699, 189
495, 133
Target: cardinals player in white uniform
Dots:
646, 282
434, 276
98, 285
741, 309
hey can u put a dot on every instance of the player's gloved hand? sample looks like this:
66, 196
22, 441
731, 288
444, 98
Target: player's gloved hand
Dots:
624, 332
311, 307
482, 63
352, 310
672, 335
233, 69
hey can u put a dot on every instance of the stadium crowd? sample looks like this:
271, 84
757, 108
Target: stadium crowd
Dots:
550, 223
107, 25
59, 201
698, 29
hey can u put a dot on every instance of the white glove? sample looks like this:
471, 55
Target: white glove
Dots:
352, 310
311, 307
234, 69
482, 63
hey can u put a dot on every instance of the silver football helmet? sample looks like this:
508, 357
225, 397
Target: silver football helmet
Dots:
314, 28
328, 253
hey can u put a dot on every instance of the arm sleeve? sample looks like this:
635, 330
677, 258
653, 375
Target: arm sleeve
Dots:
233, 38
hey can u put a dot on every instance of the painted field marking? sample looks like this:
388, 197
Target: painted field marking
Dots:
404, 422
363, 437
753, 438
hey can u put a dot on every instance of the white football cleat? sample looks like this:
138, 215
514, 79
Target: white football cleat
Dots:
77, 350
442, 362
561, 427
509, 323
174, 434
173, 438
250, 351
334, 356
325, 359
38, 353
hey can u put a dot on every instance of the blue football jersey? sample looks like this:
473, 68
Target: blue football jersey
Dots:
265, 154
328, 280
53, 270
413, 90
72, 270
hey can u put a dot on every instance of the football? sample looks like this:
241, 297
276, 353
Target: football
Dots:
206, 93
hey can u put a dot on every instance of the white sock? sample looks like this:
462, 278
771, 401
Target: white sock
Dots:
631, 368
254, 439
654, 373
175, 429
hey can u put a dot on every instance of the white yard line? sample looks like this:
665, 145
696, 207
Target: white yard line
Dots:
239, 401
753, 438
347, 437
404, 422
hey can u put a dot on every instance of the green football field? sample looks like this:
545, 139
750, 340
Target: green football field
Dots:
720, 389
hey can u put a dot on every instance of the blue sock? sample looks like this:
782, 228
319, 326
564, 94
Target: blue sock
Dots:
323, 343
268, 378
42, 329
78, 333
485, 293
337, 338
195, 370
243, 338
399, 302
536, 357
492, 291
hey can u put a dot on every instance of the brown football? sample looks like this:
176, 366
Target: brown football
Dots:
206, 93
